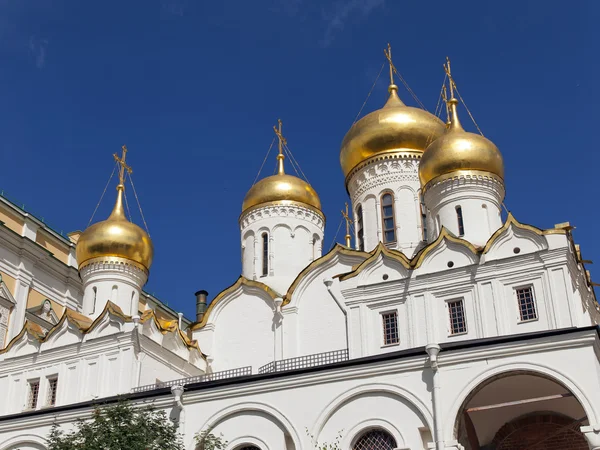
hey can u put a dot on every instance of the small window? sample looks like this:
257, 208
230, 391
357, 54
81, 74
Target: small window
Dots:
95, 290
459, 218
32, 396
387, 216
390, 328
526, 301
52, 387
456, 312
360, 233
265, 258
423, 218
376, 439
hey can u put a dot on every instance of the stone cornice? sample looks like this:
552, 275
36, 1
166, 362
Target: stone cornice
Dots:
275, 209
384, 172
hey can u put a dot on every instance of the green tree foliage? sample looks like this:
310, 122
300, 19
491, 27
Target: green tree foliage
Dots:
119, 427
206, 440
335, 445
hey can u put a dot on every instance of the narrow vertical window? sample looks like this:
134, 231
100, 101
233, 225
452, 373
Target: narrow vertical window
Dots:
390, 328
360, 232
526, 301
32, 396
52, 388
456, 312
423, 217
387, 216
265, 258
459, 218
95, 291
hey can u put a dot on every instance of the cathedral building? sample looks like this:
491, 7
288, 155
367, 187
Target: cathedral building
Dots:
449, 324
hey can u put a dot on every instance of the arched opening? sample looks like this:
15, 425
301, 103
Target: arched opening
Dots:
247, 447
265, 254
521, 411
375, 439
461, 224
360, 231
387, 218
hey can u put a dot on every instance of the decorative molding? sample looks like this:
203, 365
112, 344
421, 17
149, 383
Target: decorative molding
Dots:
98, 266
383, 173
277, 209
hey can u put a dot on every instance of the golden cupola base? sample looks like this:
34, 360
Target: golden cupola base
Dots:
459, 152
395, 130
115, 238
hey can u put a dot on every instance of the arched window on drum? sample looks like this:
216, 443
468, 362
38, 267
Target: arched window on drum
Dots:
387, 218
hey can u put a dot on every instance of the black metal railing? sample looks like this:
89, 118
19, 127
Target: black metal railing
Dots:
224, 374
301, 362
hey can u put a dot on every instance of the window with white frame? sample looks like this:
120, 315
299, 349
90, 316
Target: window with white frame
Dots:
526, 301
456, 314
375, 439
52, 389
390, 328
33, 392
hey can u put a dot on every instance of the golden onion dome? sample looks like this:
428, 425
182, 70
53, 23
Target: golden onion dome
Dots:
115, 237
283, 188
458, 151
395, 128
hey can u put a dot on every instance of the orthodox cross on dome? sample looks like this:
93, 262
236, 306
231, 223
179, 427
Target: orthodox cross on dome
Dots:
124, 167
348, 222
388, 55
449, 73
282, 142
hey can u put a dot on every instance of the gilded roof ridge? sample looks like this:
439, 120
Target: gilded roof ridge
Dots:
241, 281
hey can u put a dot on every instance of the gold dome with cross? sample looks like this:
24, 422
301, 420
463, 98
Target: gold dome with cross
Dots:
458, 151
281, 188
116, 237
392, 131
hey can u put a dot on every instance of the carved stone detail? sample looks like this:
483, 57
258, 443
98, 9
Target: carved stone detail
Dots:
383, 173
293, 211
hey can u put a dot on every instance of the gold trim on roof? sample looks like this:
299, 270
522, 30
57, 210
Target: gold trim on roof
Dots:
338, 249
510, 220
373, 255
241, 281
418, 259
85, 325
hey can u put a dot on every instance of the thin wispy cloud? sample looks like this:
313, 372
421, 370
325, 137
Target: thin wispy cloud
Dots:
37, 48
344, 11
173, 7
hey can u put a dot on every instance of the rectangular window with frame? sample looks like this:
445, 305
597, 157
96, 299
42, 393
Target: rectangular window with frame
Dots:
33, 393
527, 309
456, 313
52, 389
390, 328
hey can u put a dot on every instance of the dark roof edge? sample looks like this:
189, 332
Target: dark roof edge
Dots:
419, 351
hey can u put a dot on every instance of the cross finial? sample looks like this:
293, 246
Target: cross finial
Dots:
124, 167
282, 142
449, 73
348, 221
388, 55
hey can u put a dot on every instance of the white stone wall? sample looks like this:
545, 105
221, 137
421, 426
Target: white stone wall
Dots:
295, 236
112, 280
480, 199
394, 395
401, 178
33, 268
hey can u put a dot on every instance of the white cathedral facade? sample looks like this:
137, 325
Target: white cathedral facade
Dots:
445, 327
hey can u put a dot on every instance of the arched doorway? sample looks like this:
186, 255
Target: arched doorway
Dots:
521, 411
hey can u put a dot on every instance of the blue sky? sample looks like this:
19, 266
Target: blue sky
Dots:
193, 88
